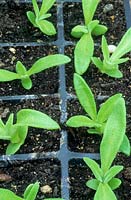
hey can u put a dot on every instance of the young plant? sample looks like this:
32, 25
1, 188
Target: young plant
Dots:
95, 120
105, 181
40, 65
39, 16
29, 194
16, 132
85, 47
110, 63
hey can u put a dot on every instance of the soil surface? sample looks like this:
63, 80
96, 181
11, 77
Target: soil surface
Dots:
15, 27
47, 172
44, 82
38, 140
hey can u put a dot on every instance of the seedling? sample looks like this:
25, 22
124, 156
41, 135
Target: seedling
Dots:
40, 65
96, 121
16, 132
29, 194
110, 63
85, 47
39, 16
105, 181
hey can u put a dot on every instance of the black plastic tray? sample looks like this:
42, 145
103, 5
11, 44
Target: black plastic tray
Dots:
64, 155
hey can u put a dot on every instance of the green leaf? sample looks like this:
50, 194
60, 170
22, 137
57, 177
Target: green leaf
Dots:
6, 75
93, 184
48, 62
112, 172
8, 195
81, 121
107, 107
121, 60
46, 5
85, 96
36, 8
37, 119
114, 183
123, 47
104, 192
89, 8
97, 62
20, 133
31, 17
20, 68
26, 82
115, 73
46, 27
44, 16
92, 25
113, 135
31, 191
94, 168
105, 49
83, 52
99, 30
125, 146
78, 31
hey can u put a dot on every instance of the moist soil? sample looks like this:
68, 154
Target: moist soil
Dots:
38, 140
44, 82
15, 27
22, 173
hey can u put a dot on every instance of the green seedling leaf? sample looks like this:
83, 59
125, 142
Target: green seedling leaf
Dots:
114, 183
81, 121
44, 16
20, 69
112, 172
125, 146
107, 107
36, 8
46, 27
31, 17
8, 195
33, 118
6, 75
115, 73
83, 52
98, 63
105, 49
26, 82
121, 60
21, 134
104, 192
89, 8
94, 168
113, 135
48, 62
123, 47
46, 5
92, 25
93, 184
99, 30
78, 31
31, 191
85, 96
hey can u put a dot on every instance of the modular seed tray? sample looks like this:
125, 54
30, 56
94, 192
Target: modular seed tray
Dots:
64, 154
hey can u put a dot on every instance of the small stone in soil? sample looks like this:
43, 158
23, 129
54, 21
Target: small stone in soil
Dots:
108, 8
46, 189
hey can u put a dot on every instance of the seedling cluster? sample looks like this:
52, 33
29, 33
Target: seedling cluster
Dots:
109, 121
